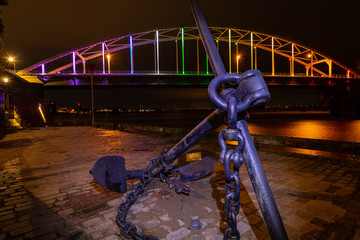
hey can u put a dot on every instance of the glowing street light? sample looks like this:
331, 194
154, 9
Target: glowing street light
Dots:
108, 58
6, 80
237, 63
310, 55
11, 59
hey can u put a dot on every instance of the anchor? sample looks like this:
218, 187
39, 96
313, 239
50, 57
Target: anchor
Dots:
232, 105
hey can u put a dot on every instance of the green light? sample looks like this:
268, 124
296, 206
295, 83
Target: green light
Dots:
182, 50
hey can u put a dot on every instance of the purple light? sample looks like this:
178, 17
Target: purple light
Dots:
74, 64
103, 55
157, 52
43, 69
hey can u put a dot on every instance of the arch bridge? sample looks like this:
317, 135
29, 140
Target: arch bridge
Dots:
176, 51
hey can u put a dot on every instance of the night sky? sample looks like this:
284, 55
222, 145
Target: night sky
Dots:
38, 29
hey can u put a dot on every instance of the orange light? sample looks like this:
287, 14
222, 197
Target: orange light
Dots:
6, 80
41, 113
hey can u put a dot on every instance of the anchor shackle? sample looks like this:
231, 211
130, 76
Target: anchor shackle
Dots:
251, 92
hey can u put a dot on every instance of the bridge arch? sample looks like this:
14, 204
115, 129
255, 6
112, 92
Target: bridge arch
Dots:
305, 56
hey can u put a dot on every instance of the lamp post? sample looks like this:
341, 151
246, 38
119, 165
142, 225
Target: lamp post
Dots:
310, 55
92, 68
11, 59
237, 64
108, 58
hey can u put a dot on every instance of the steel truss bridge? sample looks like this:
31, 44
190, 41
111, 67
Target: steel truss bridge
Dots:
174, 49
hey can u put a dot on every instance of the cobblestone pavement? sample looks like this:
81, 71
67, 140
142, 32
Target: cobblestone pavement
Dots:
46, 191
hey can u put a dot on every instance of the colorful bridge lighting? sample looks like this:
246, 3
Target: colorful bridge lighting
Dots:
319, 64
131, 54
103, 56
183, 50
229, 50
74, 63
157, 53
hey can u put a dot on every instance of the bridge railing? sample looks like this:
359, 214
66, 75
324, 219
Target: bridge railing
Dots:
193, 73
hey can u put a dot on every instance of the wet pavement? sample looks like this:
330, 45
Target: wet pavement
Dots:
46, 191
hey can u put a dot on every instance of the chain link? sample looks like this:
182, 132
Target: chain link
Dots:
179, 188
232, 158
127, 229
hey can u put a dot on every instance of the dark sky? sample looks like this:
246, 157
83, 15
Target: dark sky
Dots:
38, 29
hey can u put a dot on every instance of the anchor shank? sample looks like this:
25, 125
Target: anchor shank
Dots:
261, 187
207, 39
210, 123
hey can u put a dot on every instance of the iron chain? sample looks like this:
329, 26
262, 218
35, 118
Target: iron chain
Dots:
232, 158
179, 188
127, 229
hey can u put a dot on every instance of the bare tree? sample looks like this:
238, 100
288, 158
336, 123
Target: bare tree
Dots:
2, 50
2, 3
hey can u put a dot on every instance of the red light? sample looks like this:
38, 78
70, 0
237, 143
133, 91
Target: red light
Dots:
78, 104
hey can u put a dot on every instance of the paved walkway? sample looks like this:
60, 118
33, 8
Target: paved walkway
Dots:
46, 191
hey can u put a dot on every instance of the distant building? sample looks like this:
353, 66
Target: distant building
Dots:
19, 101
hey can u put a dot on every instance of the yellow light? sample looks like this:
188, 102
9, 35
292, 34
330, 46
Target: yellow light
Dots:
108, 56
309, 55
6, 80
42, 114
11, 59
237, 64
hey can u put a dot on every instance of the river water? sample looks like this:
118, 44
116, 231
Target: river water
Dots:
347, 130
313, 125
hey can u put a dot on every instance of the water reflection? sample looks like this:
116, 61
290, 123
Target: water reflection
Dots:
346, 130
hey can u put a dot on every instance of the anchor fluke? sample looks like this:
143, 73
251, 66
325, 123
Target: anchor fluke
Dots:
110, 173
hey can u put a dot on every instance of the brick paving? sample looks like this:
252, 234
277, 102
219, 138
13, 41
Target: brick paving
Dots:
46, 191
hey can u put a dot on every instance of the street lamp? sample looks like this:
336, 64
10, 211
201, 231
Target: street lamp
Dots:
6, 80
237, 63
108, 58
310, 55
11, 59
92, 68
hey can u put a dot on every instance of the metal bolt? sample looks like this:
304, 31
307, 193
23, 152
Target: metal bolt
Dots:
195, 224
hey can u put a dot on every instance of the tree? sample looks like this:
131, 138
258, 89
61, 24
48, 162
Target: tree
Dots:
2, 3
2, 49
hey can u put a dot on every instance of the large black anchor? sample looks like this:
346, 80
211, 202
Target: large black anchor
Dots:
250, 91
